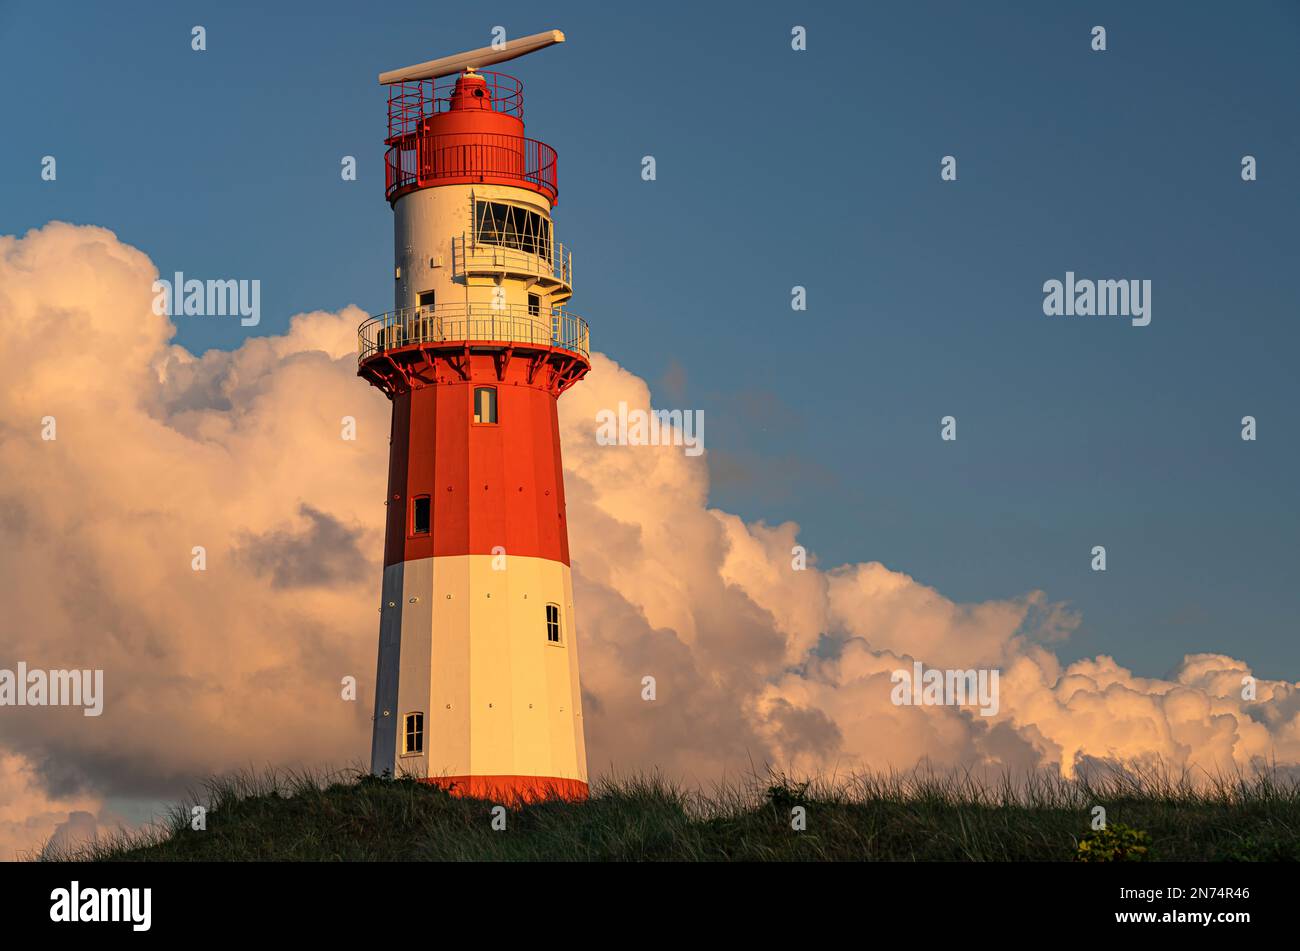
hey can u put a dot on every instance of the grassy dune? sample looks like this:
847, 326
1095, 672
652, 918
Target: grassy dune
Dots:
918, 816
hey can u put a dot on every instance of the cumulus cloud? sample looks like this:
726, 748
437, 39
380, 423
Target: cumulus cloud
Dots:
31, 815
159, 451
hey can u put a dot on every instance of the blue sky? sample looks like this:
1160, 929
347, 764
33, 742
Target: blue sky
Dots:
817, 168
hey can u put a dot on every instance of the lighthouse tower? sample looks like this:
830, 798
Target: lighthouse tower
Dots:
477, 682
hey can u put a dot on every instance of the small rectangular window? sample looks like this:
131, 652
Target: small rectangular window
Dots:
420, 517
426, 298
534, 305
553, 623
413, 733
485, 404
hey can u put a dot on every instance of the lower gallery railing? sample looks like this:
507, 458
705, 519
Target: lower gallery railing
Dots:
480, 323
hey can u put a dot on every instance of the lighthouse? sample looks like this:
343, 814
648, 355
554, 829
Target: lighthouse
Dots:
476, 687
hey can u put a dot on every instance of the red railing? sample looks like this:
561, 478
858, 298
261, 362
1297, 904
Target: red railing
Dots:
414, 160
410, 102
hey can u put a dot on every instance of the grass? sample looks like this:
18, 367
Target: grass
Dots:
922, 815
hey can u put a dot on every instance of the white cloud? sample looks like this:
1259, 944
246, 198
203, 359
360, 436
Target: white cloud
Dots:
160, 450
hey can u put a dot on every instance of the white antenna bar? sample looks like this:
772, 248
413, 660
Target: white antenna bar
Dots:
486, 56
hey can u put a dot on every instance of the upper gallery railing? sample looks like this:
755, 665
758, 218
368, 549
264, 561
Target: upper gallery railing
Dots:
551, 259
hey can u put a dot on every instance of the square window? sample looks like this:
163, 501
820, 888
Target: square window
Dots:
485, 404
413, 733
420, 516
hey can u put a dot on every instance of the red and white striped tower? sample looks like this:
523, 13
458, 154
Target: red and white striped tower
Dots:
477, 683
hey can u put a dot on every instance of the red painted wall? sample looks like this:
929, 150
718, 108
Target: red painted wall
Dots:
489, 485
